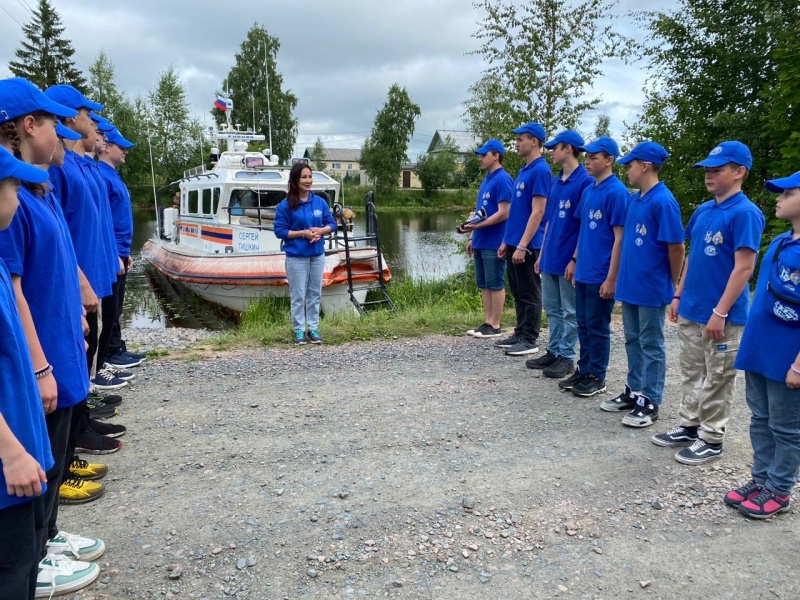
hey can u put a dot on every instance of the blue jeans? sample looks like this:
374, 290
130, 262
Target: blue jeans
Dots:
490, 270
594, 329
305, 288
646, 350
774, 432
558, 298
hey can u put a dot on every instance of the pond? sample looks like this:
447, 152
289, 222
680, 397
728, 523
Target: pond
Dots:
421, 245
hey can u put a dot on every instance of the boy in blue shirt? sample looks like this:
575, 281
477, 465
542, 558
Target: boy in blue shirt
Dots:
523, 239
650, 264
595, 265
558, 247
711, 303
769, 354
24, 446
494, 197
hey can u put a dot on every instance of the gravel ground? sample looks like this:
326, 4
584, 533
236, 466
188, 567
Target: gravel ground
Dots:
426, 468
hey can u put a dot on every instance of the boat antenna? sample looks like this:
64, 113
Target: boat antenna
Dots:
153, 179
269, 110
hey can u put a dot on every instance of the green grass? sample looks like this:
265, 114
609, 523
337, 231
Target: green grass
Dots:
449, 306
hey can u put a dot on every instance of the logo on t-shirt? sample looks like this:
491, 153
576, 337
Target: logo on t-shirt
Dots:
595, 216
317, 213
712, 238
790, 279
564, 206
784, 312
642, 231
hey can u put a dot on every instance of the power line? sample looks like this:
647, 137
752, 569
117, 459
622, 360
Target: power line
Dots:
10, 15
25, 6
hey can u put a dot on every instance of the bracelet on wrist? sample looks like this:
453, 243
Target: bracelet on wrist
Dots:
720, 315
794, 370
676, 297
573, 259
42, 373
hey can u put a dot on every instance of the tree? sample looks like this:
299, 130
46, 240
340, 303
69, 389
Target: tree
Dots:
543, 55
174, 135
45, 57
385, 149
249, 88
437, 170
318, 155
602, 127
707, 86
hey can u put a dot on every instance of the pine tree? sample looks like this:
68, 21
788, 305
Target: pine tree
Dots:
45, 57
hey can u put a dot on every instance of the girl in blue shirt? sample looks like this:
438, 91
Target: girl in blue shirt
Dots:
301, 221
769, 355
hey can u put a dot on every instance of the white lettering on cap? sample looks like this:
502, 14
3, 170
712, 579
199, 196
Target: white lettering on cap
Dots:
716, 150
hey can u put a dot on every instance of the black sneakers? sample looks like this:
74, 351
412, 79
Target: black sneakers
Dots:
644, 413
487, 331
677, 436
698, 453
521, 348
90, 442
568, 383
507, 342
543, 361
625, 401
560, 368
111, 430
589, 386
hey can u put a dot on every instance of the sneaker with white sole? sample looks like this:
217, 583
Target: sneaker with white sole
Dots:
522, 348
699, 453
644, 413
59, 576
677, 436
120, 373
487, 331
106, 380
123, 360
472, 331
76, 547
507, 342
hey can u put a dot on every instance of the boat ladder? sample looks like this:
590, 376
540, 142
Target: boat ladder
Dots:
371, 239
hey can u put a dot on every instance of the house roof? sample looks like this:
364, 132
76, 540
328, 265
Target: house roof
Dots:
466, 141
337, 154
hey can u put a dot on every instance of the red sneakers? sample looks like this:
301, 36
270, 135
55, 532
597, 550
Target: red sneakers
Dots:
747, 492
764, 505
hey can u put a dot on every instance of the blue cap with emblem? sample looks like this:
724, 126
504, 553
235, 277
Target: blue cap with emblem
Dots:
533, 129
601, 144
573, 138
725, 153
19, 97
646, 151
491, 146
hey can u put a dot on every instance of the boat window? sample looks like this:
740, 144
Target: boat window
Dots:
321, 177
215, 200
206, 204
249, 198
191, 202
273, 175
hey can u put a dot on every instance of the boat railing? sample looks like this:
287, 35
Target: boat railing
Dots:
264, 216
194, 171
370, 240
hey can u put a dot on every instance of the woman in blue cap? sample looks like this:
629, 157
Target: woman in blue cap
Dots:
24, 446
769, 355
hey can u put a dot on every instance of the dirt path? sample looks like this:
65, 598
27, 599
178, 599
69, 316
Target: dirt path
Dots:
427, 468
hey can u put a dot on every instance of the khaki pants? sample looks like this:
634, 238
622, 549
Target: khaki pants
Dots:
708, 378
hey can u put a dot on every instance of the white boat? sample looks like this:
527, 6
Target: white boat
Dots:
220, 243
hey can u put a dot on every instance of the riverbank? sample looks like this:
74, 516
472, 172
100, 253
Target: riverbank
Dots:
432, 467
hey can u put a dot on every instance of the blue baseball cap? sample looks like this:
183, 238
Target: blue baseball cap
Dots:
784, 183
491, 146
533, 129
648, 152
10, 166
573, 138
728, 152
601, 144
115, 137
65, 132
19, 97
105, 126
69, 96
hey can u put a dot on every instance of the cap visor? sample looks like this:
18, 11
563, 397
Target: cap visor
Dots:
711, 163
27, 173
59, 110
93, 105
626, 159
67, 133
779, 185
551, 144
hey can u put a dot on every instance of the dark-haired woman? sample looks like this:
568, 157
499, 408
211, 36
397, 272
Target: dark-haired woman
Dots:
301, 221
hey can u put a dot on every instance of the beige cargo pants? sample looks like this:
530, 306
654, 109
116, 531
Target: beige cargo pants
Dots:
707, 378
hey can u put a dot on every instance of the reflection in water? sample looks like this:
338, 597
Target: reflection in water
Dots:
422, 246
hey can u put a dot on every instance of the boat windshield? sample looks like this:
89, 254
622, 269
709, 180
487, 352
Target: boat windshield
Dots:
249, 198
272, 175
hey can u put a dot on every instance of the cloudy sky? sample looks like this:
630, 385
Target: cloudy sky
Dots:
339, 58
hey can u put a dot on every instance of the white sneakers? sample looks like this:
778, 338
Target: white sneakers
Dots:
66, 569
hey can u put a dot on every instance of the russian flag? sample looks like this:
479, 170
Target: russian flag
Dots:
221, 103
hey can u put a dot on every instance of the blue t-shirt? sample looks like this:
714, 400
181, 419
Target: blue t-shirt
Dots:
83, 220
768, 344
312, 213
602, 207
562, 227
37, 248
100, 194
532, 180
20, 403
715, 232
653, 222
496, 187
121, 209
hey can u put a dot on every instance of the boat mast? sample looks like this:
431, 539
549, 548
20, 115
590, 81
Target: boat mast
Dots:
269, 110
